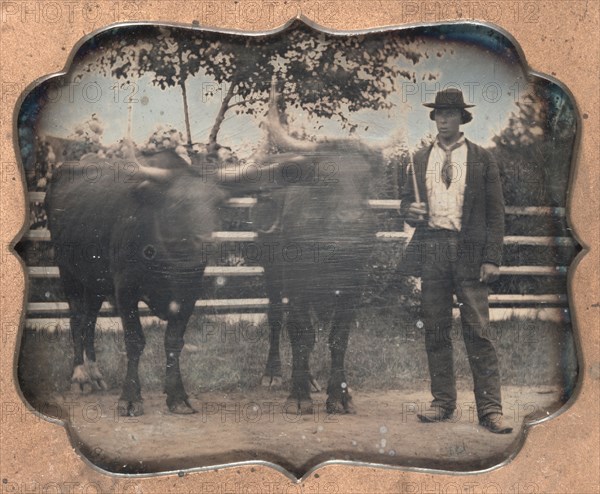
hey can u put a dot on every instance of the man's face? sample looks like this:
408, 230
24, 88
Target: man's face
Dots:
448, 122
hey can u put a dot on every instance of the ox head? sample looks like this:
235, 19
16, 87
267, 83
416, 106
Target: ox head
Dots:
184, 203
346, 168
345, 163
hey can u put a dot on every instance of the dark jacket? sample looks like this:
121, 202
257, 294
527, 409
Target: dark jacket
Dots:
482, 232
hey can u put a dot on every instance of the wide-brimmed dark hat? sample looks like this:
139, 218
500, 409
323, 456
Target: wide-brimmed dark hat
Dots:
449, 98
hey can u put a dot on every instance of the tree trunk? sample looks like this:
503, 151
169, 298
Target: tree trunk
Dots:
182, 78
212, 138
186, 114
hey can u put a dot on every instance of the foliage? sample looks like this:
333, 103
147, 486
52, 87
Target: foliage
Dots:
170, 59
324, 74
89, 131
535, 150
166, 137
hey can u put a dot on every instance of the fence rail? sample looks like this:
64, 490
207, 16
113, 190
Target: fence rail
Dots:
58, 309
247, 202
255, 319
212, 271
43, 235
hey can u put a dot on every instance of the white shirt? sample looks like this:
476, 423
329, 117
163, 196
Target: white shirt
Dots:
446, 203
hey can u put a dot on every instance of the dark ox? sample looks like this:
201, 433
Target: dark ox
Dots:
323, 239
130, 233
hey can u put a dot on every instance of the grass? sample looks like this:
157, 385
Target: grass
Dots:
384, 353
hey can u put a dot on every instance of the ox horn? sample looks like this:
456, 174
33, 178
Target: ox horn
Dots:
154, 174
277, 134
146, 172
292, 150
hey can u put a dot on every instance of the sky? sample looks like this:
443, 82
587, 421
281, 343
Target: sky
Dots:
487, 81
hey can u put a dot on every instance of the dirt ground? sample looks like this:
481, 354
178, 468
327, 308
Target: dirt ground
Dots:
235, 427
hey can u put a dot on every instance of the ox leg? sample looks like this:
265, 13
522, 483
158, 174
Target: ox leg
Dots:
93, 303
130, 402
272, 377
177, 398
273, 277
302, 338
338, 396
83, 309
80, 377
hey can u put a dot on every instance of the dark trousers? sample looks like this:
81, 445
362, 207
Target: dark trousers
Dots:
439, 282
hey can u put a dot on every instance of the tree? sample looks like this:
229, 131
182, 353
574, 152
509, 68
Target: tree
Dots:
170, 57
535, 149
324, 74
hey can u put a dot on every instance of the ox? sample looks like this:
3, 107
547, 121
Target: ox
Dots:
325, 233
138, 232
128, 233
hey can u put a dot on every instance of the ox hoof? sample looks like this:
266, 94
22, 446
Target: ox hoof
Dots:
273, 382
96, 377
297, 406
87, 388
305, 407
340, 406
130, 408
315, 385
87, 379
83, 388
80, 381
182, 407
100, 385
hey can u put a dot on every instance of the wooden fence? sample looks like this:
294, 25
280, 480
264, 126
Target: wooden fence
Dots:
551, 306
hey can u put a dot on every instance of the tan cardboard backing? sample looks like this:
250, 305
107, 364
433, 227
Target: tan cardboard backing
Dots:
559, 38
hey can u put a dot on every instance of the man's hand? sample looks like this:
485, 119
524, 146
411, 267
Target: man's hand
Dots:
489, 272
416, 212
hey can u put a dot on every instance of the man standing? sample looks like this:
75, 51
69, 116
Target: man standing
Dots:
454, 201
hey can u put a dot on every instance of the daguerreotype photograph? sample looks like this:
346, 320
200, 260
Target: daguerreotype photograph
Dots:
297, 246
